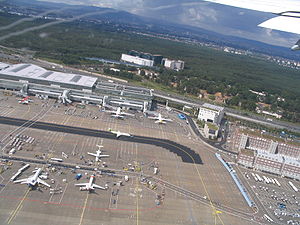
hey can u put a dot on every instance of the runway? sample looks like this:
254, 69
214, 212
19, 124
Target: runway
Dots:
186, 154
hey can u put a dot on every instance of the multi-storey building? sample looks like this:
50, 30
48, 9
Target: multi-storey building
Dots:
267, 154
246, 158
137, 60
242, 139
211, 113
268, 162
291, 168
173, 64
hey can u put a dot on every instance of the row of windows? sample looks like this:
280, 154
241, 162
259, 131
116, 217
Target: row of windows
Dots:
291, 170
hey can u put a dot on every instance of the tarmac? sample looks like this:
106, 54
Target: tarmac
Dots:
186, 154
194, 192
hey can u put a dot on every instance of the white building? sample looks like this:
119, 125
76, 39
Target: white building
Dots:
211, 113
268, 162
211, 131
291, 168
246, 157
173, 64
137, 60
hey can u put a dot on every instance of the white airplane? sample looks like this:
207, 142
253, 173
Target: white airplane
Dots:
90, 185
119, 133
98, 154
33, 180
159, 119
25, 100
287, 11
119, 114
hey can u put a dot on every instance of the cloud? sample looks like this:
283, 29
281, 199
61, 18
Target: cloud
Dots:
218, 18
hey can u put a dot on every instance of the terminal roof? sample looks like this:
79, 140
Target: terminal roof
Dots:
29, 71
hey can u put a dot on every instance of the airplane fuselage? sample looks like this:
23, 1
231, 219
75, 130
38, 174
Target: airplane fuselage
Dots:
34, 178
89, 185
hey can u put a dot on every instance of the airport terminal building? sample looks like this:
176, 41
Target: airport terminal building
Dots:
32, 79
28, 73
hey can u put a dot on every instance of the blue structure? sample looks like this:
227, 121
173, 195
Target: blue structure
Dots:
236, 181
182, 116
78, 176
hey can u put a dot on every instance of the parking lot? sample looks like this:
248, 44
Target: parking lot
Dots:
280, 200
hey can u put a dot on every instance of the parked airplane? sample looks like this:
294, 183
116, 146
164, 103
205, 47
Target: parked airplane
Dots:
288, 14
118, 133
159, 119
33, 180
90, 185
98, 154
25, 100
119, 114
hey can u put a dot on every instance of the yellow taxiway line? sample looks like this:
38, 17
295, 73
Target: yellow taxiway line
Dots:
83, 210
18, 207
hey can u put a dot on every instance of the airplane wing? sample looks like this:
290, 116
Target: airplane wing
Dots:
127, 114
21, 180
152, 118
40, 181
273, 6
288, 12
93, 154
99, 187
81, 184
118, 116
159, 121
110, 111
102, 156
283, 23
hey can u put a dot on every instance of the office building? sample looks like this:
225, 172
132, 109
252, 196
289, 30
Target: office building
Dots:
268, 162
211, 113
137, 60
173, 64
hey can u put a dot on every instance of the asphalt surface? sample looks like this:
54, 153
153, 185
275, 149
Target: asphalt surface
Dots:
186, 154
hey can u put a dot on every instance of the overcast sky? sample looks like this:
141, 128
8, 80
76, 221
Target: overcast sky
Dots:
218, 18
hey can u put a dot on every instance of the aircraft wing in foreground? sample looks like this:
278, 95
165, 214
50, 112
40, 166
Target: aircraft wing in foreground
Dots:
287, 11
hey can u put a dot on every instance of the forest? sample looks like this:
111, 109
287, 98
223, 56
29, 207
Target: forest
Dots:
206, 68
